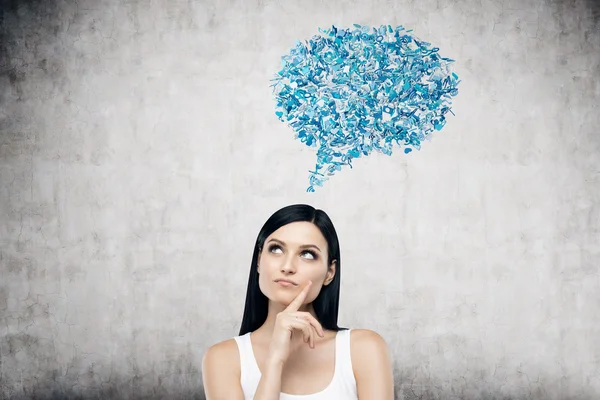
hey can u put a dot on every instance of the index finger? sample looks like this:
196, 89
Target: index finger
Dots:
297, 302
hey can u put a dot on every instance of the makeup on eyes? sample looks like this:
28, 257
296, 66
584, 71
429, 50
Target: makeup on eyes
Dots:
312, 253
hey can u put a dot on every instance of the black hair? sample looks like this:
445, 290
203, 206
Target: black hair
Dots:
326, 304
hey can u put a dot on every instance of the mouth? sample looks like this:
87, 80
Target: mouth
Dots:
286, 283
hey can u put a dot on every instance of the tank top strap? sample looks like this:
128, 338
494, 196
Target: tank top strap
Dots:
249, 371
343, 360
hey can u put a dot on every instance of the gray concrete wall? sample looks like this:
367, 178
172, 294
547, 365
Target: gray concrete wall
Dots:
140, 154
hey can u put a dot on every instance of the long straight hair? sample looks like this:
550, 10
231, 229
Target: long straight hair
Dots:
326, 304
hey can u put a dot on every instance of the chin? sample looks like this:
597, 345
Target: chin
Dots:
277, 297
281, 298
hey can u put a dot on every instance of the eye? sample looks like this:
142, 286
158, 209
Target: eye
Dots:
312, 254
273, 247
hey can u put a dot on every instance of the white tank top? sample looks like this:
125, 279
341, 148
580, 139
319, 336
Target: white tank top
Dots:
342, 386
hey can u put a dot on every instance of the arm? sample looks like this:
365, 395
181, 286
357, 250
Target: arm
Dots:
372, 365
269, 387
221, 372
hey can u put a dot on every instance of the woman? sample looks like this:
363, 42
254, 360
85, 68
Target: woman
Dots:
289, 345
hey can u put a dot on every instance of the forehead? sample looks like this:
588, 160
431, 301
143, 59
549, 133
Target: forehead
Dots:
300, 233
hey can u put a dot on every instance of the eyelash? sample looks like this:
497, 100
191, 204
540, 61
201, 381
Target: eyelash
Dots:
312, 253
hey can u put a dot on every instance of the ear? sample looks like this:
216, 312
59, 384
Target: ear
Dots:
330, 273
258, 260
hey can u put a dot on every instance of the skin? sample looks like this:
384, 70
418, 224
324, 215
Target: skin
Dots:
297, 251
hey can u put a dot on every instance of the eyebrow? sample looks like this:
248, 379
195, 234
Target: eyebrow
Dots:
304, 246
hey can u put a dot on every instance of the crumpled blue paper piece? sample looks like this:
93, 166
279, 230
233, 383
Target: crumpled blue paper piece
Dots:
349, 92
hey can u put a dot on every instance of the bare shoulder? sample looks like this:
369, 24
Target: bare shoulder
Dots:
371, 364
221, 371
226, 347
363, 341
225, 353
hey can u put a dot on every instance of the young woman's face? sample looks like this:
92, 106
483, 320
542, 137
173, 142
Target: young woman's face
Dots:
296, 252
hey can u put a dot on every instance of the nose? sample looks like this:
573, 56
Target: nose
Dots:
288, 266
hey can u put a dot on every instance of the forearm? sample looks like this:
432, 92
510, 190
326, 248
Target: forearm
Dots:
269, 386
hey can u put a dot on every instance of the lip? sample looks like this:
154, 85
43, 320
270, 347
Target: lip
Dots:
286, 282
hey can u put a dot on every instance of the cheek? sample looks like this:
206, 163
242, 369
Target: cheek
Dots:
266, 266
265, 274
313, 294
263, 283
260, 284
319, 274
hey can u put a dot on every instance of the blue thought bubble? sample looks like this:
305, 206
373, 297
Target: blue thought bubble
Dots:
351, 91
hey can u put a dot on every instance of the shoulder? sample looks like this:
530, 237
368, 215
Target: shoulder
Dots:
221, 371
371, 364
225, 352
364, 341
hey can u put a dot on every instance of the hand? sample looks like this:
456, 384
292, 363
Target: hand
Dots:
289, 320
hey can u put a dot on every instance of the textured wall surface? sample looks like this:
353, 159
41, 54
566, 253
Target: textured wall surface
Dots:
140, 154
